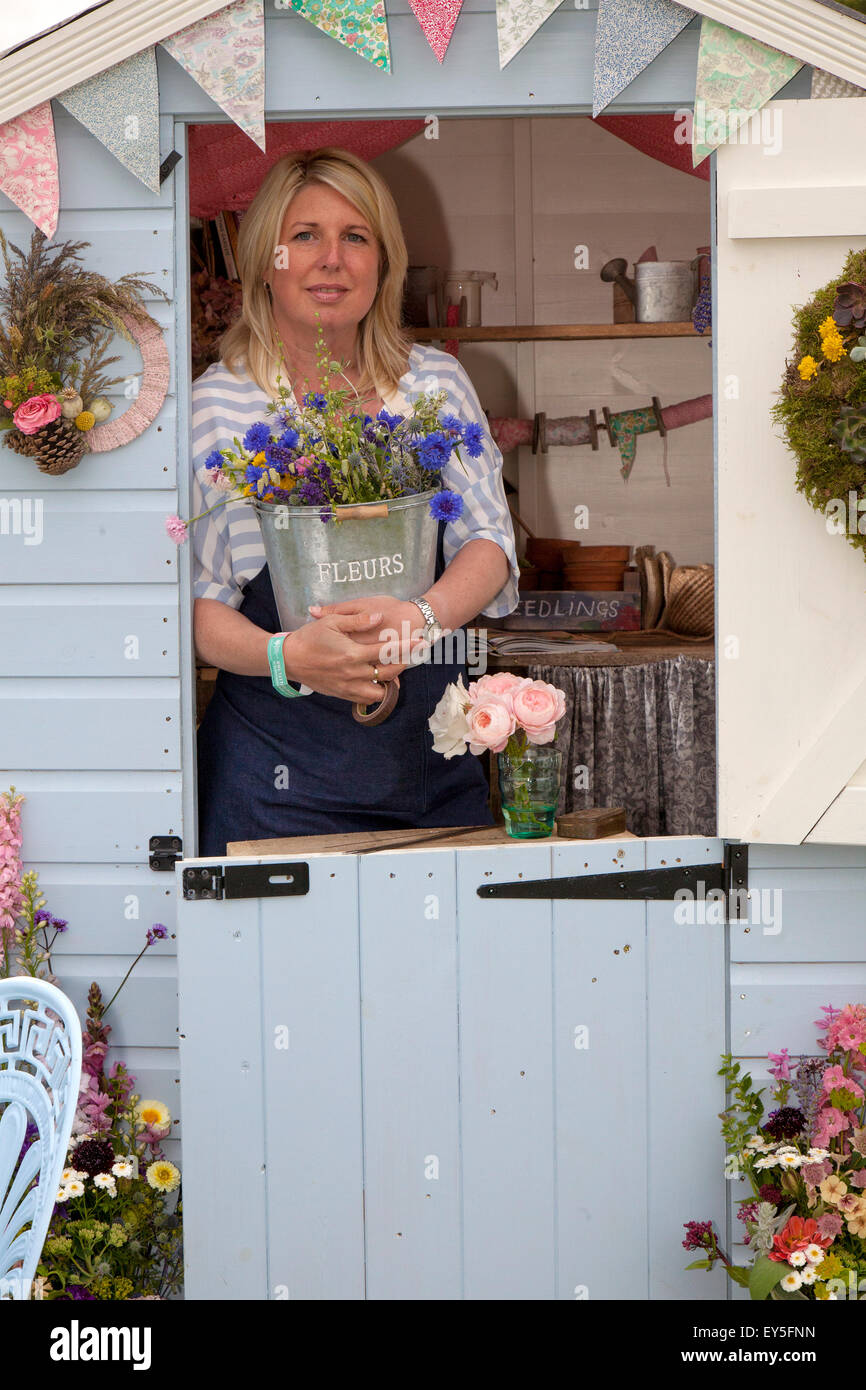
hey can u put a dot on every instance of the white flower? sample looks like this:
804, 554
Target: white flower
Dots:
74, 1188
756, 1142
62, 1195
72, 1175
106, 1182
787, 1149
448, 723
792, 1281
768, 1161
123, 1168
789, 1160
797, 1259
814, 1254
808, 1276
818, 1154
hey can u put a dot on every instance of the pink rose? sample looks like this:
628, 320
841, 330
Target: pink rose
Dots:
35, 412
537, 707
502, 683
491, 724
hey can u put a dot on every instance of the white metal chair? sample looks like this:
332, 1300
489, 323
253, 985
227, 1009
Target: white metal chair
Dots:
40, 1073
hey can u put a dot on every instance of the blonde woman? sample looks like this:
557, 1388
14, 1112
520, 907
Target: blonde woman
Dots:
322, 237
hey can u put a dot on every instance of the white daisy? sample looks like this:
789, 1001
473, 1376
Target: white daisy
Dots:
74, 1188
768, 1161
756, 1142
787, 1149
72, 1175
808, 1275
123, 1168
107, 1182
797, 1259
818, 1154
814, 1254
62, 1195
790, 1160
792, 1281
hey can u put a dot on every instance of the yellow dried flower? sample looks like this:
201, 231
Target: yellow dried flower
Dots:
85, 420
808, 368
828, 325
832, 347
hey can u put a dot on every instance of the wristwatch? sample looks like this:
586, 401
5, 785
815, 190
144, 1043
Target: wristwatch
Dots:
433, 629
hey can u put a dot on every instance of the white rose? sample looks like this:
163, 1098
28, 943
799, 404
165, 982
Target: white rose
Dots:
448, 723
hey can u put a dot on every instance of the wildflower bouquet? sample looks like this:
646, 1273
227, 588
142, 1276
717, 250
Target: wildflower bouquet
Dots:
806, 1164
327, 453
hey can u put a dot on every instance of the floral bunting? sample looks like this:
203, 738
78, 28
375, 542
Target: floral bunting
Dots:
28, 166
225, 55
737, 76
827, 84
360, 25
630, 34
121, 108
437, 18
517, 21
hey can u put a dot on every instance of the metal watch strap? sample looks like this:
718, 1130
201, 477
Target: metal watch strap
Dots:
430, 618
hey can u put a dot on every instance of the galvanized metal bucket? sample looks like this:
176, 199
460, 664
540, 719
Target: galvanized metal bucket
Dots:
665, 291
372, 548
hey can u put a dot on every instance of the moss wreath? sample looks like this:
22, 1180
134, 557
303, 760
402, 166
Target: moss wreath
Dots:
822, 403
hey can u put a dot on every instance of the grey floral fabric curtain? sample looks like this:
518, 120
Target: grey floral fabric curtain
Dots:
642, 737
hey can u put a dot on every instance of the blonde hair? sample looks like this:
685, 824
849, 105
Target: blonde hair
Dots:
383, 344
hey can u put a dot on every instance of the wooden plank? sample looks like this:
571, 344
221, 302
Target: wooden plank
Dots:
789, 212
408, 929
109, 907
555, 332
383, 841
115, 539
807, 856
220, 987
119, 724
844, 821
686, 1001
506, 1078
96, 817
149, 460
309, 1016
599, 1032
791, 919
80, 630
123, 240
146, 1013
774, 1005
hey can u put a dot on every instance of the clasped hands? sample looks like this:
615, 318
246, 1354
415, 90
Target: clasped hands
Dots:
336, 651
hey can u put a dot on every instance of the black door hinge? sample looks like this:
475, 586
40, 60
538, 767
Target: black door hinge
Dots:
165, 850
730, 877
167, 165
245, 881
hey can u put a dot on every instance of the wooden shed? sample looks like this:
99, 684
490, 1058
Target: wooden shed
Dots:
430, 1127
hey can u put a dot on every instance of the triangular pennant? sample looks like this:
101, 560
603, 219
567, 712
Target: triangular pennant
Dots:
225, 55
630, 34
121, 108
736, 77
360, 25
517, 21
28, 166
437, 18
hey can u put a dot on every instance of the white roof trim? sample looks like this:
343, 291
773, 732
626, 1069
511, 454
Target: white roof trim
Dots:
90, 44
818, 34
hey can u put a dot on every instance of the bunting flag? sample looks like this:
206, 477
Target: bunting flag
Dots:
28, 166
437, 18
225, 55
517, 21
736, 77
826, 84
121, 108
630, 34
358, 24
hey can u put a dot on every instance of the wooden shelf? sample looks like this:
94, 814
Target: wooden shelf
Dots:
556, 332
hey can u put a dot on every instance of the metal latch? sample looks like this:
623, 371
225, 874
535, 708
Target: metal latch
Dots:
731, 877
165, 850
246, 881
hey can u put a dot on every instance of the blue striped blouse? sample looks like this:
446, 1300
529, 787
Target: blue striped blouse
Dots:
227, 544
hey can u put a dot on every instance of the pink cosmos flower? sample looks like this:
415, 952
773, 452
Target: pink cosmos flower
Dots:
176, 529
35, 412
537, 707
490, 724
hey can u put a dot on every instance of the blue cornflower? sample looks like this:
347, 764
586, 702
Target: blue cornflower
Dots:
314, 400
472, 438
253, 474
277, 457
289, 439
452, 422
256, 437
214, 460
388, 419
446, 506
434, 451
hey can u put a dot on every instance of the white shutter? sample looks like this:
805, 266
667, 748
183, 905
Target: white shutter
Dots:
792, 597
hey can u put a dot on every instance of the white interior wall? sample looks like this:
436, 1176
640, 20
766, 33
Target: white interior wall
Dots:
459, 209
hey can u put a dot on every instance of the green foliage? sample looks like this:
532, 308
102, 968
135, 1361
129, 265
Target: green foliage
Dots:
745, 1109
764, 1275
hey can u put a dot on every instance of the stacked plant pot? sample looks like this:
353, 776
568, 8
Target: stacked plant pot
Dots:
549, 555
597, 568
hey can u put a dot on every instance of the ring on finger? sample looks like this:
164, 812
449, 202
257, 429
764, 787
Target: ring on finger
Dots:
376, 680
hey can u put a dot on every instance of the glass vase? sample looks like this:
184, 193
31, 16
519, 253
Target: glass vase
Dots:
529, 789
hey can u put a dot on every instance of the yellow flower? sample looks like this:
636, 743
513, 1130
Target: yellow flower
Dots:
154, 1114
163, 1175
830, 1266
828, 326
808, 368
259, 459
85, 420
833, 348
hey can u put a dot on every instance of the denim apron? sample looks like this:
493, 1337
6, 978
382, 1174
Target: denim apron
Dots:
270, 766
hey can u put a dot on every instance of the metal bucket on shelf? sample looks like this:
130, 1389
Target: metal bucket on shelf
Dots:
372, 548
665, 291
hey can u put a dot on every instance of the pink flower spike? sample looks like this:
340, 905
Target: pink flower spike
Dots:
781, 1070
176, 529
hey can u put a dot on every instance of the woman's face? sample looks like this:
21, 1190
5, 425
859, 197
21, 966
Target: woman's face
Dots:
327, 261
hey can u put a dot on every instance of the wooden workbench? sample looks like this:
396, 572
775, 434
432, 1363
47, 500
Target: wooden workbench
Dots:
369, 842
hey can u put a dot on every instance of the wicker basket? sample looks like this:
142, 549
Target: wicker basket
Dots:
690, 601
55, 448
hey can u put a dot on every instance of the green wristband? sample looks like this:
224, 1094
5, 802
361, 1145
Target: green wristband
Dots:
279, 679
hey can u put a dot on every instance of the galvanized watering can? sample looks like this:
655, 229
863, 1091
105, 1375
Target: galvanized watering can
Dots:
370, 548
